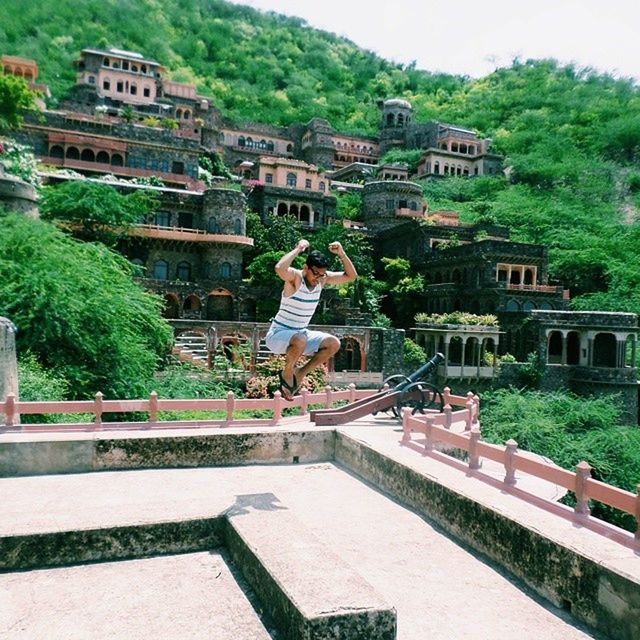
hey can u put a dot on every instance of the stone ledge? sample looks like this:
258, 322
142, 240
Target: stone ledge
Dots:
309, 592
61, 548
42, 454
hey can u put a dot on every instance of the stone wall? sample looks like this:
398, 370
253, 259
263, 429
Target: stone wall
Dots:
17, 195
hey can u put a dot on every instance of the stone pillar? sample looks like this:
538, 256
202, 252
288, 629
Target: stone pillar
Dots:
8, 361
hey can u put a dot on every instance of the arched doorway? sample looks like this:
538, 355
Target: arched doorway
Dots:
604, 350
220, 305
171, 306
349, 358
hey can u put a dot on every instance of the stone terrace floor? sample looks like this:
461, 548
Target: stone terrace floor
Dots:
440, 589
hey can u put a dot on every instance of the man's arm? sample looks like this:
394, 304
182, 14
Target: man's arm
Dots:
283, 266
349, 274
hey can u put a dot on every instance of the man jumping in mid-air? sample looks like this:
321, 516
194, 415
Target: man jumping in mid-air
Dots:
288, 333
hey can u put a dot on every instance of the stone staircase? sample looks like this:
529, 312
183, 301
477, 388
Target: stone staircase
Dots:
191, 347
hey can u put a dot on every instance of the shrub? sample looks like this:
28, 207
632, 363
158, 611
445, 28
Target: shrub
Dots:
266, 382
414, 354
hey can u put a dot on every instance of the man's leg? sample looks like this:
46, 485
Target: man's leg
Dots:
295, 349
328, 347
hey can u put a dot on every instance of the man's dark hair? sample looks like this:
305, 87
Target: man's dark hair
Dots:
317, 259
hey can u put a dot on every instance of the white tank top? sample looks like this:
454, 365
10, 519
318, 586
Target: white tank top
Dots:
297, 309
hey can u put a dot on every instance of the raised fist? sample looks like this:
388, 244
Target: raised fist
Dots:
336, 247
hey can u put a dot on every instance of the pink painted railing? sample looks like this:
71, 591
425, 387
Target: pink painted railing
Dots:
12, 409
436, 429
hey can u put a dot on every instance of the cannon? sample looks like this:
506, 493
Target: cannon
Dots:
412, 391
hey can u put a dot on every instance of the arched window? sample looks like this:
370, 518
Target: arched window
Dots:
305, 215
241, 141
270, 146
250, 142
134, 89
117, 160
528, 276
56, 151
225, 270
390, 120
87, 155
102, 157
291, 180
161, 270
73, 153
139, 264
212, 225
163, 219
178, 113
184, 271
283, 210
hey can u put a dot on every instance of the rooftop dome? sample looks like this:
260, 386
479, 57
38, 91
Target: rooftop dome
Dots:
398, 102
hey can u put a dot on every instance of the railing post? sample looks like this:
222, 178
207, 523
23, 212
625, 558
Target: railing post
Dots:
304, 407
469, 418
352, 392
277, 407
231, 404
474, 458
428, 432
406, 429
446, 395
476, 409
327, 402
153, 409
448, 418
511, 446
583, 473
9, 410
97, 409
637, 536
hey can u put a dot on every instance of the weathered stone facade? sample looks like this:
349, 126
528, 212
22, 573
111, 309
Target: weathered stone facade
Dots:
17, 195
591, 353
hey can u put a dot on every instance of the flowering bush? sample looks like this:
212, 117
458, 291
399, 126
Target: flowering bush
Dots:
18, 160
266, 382
457, 317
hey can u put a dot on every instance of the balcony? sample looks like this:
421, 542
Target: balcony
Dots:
127, 172
410, 213
538, 288
183, 234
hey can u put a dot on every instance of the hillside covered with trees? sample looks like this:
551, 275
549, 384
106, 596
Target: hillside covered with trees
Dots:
570, 136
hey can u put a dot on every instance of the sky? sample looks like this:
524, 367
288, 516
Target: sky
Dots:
474, 37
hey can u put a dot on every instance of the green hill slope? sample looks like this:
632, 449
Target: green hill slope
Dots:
571, 137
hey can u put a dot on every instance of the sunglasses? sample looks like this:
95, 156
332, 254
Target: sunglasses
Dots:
317, 273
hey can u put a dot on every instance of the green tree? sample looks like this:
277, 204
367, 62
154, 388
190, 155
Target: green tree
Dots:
404, 291
78, 310
15, 96
95, 210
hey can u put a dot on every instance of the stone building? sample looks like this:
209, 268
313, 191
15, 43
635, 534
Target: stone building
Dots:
589, 352
290, 187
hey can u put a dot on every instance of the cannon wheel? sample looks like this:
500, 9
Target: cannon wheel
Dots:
419, 396
392, 381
